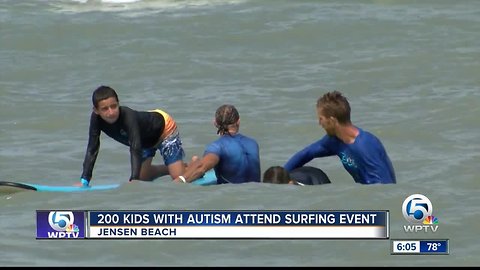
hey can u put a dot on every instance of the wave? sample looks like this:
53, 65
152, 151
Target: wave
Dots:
144, 6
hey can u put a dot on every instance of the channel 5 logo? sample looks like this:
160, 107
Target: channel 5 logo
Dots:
62, 221
417, 209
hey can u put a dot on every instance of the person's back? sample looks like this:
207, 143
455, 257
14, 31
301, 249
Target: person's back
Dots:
239, 159
308, 175
305, 175
234, 157
366, 160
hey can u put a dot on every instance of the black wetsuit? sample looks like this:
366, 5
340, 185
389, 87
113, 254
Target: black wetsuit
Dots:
136, 129
308, 175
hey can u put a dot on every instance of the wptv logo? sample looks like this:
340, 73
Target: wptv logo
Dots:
417, 209
62, 224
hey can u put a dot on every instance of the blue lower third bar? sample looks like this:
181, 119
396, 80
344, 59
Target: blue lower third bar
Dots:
434, 247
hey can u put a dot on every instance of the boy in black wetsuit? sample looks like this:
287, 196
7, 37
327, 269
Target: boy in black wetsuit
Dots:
144, 132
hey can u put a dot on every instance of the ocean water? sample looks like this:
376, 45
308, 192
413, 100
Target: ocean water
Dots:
410, 70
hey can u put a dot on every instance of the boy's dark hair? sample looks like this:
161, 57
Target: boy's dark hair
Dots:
276, 175
101, 93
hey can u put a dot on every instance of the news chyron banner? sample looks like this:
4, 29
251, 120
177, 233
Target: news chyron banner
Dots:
212, 224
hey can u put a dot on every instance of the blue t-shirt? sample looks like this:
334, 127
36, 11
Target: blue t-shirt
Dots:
239, 159
366, 159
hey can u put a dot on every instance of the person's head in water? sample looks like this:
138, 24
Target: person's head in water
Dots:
277, 175
106, 104
305, 175
226, 119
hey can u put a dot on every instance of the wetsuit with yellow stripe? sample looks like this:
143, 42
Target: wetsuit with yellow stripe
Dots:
142, 131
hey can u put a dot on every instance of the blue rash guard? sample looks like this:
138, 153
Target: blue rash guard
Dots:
366, 159
239, 159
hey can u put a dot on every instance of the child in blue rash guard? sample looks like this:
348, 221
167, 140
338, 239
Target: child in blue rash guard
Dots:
361, 153
234, 156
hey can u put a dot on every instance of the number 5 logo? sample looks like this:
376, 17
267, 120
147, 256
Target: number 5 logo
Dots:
416, 208
60, 220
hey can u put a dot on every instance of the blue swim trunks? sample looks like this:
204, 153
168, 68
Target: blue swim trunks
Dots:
170, 149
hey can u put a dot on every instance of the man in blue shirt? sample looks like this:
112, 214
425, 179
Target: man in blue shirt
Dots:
234, 156
361, 153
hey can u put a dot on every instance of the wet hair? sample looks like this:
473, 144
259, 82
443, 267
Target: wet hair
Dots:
225, 116
334, 104
101, 93
276, 175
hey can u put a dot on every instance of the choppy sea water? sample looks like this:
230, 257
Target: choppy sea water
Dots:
410, 70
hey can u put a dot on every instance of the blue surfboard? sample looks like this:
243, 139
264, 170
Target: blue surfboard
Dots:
209, 178
9, 187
